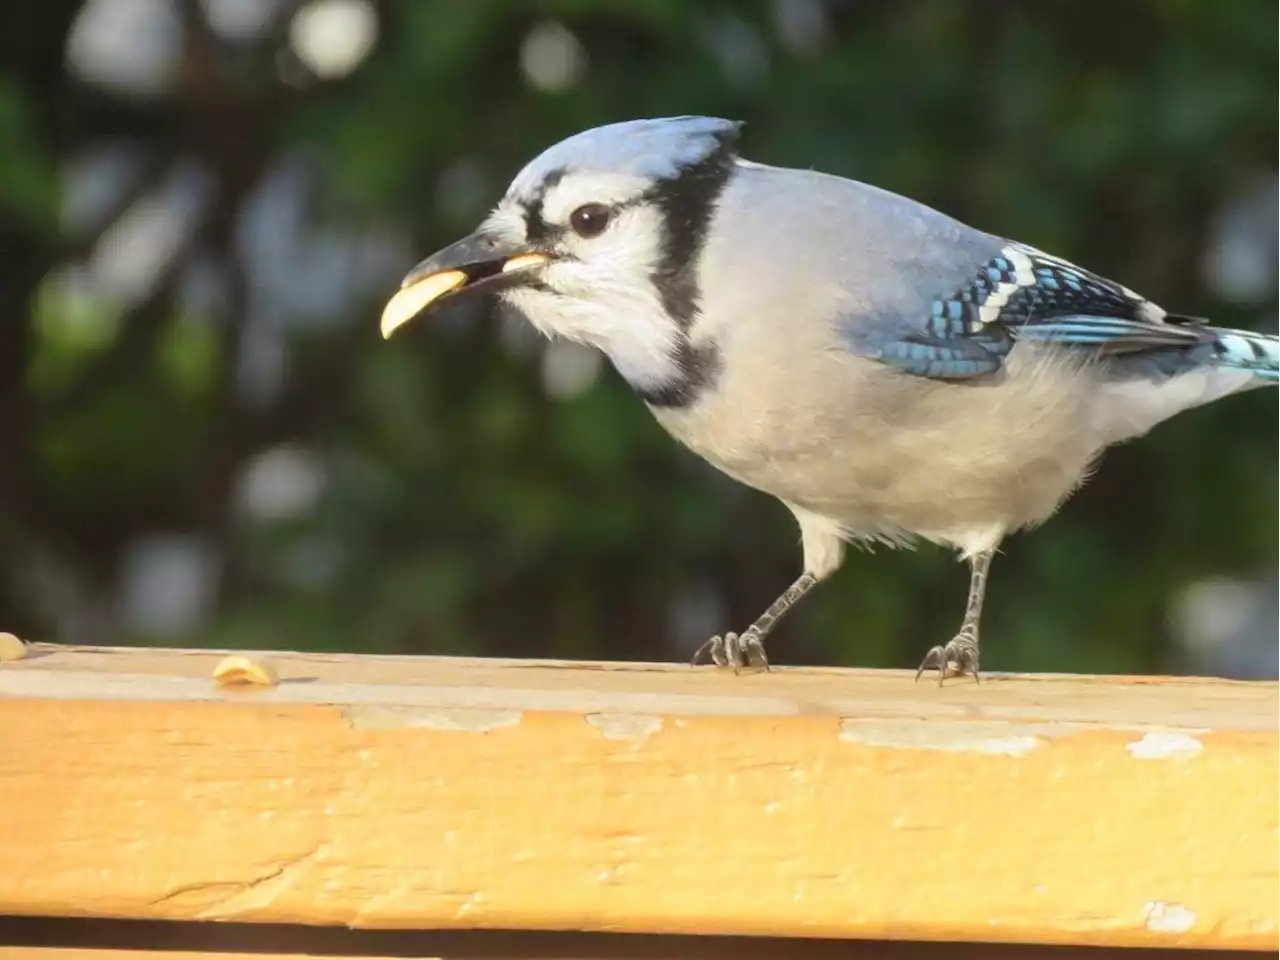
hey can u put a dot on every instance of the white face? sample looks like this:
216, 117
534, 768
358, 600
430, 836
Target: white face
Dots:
605, 241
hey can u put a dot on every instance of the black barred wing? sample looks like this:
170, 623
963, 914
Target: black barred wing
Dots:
1024, 294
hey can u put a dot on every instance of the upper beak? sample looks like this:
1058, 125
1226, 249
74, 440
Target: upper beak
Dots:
478, 261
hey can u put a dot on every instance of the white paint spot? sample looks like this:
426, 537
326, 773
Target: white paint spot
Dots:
625, 726
457, 720
994, 738
1008, 746
1164, 917
1164, 745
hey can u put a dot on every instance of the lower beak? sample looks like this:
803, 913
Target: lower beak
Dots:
478, 262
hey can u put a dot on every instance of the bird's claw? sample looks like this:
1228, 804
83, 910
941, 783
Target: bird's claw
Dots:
958, 657
734, 650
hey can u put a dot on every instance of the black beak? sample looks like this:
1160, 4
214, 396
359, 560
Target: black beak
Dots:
478, 262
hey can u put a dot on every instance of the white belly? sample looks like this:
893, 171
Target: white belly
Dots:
885, 453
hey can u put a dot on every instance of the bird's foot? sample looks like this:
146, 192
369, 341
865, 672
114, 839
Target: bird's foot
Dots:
955, 659
734, 650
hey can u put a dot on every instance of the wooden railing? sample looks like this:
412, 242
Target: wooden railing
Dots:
436, 794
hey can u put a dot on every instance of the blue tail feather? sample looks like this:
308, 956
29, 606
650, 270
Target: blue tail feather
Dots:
1259, 353
1245, 350
1112, 335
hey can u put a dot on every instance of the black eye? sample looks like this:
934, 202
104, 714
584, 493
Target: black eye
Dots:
590, 219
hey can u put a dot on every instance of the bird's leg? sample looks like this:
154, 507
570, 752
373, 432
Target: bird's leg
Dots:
747, 649
960, 655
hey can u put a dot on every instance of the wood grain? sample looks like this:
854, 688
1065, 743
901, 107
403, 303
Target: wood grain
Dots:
388, 792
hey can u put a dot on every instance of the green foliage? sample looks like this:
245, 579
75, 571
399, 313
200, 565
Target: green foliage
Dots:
463, 510
27, 182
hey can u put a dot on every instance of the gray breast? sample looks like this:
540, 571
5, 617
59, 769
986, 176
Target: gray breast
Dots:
796, 415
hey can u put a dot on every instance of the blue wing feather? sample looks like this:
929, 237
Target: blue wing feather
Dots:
937, 357
1024, 295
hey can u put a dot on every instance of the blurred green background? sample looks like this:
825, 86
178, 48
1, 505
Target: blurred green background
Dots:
203, 206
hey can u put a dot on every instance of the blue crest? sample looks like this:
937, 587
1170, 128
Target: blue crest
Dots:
655, 148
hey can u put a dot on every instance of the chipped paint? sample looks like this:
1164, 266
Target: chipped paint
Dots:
455, 719
1164, 917
993, 738
625, 726
1164, 745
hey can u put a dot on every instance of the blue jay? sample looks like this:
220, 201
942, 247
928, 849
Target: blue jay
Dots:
888, 373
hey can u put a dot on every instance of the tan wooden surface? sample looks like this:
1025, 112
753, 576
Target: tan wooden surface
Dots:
682, 949
91, 953
443, 793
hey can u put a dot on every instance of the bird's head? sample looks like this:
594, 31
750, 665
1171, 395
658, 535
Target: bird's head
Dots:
596, 240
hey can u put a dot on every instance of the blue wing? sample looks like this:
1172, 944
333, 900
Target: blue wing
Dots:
1023, 294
